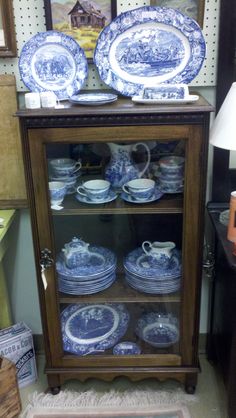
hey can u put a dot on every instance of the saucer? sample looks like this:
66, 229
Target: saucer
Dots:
164, 189
156, 195
84, 199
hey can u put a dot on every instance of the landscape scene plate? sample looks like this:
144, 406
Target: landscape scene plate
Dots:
90, 328
53, 61
149, 44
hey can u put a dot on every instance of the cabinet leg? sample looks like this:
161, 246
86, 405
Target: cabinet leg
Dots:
54, 384
191, 383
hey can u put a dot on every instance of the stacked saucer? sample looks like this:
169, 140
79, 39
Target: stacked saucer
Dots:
144, 276
67, 171
97, 274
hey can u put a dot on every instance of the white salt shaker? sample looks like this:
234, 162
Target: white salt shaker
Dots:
48, 99
32, 100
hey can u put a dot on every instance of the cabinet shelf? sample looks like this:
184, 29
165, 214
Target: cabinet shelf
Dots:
165, 205
120, 292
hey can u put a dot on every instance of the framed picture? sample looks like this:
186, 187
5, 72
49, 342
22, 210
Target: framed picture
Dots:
192, 8
83, 20
7, 30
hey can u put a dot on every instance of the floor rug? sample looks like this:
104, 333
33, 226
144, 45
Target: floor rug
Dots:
90, 404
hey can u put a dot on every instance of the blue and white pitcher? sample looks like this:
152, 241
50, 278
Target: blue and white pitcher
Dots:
121, 167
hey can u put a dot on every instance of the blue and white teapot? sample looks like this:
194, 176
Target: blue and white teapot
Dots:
76, 253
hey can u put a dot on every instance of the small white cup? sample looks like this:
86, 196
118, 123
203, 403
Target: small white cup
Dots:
140, 189
95, 189
48, 99
57, 190
32, 100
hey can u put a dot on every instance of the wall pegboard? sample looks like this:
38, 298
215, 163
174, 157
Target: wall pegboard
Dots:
30, 19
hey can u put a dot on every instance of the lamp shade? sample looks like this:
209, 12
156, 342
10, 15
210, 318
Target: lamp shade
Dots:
223, 130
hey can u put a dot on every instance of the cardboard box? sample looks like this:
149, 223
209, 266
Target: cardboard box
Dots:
16, 344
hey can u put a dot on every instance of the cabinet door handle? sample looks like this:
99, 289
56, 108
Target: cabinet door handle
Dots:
46, 259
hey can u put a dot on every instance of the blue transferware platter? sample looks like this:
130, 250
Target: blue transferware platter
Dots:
149, 45
156, 196
191, 98
53, 61
93, 99
125, 348
158, 330
137, 262
91, 328
97, 265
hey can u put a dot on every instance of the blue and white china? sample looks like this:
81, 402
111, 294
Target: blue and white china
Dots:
93, 99
57, 190
158, 330
92, 328
140, 264
85, 287
156, 44
121, 167
64, 166
160, 253
76, 253
126, 348
101, 261
172, 166
140, 189
84, 199
53, 61
153, 285
157, 194
95, 190
192, 98
168, 184
166, 91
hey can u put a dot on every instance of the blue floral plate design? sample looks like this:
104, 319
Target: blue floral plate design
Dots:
92, 328
93, 99
53, 61
102, 260
138, 263
159, 330
125, 348
156, 44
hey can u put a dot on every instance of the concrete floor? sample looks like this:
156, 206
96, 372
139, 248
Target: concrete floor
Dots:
210, 393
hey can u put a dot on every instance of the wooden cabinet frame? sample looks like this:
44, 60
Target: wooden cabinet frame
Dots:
121, 122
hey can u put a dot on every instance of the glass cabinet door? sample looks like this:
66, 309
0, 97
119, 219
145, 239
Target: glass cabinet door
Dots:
112, 212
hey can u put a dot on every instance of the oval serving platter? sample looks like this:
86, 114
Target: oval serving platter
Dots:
149, 44
53, 61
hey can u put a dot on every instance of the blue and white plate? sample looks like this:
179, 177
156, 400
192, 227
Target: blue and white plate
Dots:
143, 268
53, 61
85, 287
158, 330
102, 260
92, 328
84, 199
156, 44
126, 348
191, 98
93, 99
156, 195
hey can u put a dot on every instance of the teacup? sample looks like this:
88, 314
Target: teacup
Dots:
95, 189
65, 166
57, 190
140, 189
172, 166
160, 252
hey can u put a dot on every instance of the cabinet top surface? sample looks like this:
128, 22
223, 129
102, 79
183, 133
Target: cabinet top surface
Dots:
122, 106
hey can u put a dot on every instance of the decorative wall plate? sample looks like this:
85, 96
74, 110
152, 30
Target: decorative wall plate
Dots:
149, 44
53, 61
91, 328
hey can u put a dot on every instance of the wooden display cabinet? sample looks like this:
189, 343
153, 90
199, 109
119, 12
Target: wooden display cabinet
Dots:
82, 132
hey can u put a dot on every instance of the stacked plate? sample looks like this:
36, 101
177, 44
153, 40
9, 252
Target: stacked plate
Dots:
93, 99
141, 274
98, 274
